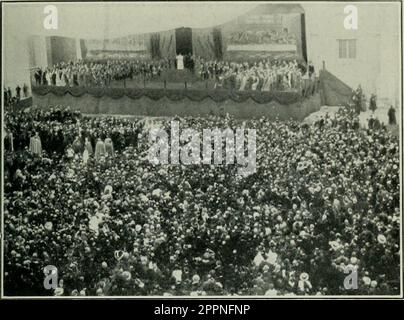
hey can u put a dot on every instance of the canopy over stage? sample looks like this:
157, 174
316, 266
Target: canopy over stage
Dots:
269, 31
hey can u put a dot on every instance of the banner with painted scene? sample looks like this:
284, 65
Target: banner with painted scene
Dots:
274, 31
128, 47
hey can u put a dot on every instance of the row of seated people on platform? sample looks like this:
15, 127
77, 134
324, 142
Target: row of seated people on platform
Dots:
258, 76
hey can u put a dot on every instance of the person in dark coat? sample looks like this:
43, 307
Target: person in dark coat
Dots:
44, 78
77, 147
5, 95
311, 69
18, 92
392, 116
53, 77
25, 90
371, 122
38, 76
376, 124
9, 95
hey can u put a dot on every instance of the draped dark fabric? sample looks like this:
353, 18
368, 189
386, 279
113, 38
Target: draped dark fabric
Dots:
83, 49
183, 38
62, 49
334, 91
202, 42
284, 98
155, 46
303, 37
218, 43
167, 43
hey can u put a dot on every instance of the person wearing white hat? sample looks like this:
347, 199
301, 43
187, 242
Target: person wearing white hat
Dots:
196, 279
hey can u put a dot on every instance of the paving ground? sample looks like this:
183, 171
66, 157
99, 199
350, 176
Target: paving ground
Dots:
380, 113
320, 114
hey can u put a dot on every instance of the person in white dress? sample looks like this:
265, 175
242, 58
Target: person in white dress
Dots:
180, 62
59, 78
48, 77
244, 79
99, 149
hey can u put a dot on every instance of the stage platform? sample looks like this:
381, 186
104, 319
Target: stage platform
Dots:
174, 75
168, 103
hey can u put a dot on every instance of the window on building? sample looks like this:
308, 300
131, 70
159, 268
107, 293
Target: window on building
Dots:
347, 48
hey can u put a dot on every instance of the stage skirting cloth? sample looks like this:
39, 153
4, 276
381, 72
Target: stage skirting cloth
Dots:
158, 102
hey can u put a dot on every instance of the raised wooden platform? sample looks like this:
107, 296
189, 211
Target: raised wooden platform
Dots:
174, 75
166, 107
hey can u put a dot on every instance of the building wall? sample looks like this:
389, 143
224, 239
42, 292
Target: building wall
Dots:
16, 59
38, 52
377, 63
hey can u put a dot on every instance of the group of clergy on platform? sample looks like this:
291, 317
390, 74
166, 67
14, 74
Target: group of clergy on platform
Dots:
102, 148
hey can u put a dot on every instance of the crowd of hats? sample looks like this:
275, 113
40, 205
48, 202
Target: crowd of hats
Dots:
324, 200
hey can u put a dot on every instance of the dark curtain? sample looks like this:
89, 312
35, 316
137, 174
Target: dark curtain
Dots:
183, 39
83, 48
303, 29
155, 46
218, 43
62, 49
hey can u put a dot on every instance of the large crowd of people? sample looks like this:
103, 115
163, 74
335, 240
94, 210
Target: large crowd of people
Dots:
262, 37
11, 97
81, 195
98, 74
262, 76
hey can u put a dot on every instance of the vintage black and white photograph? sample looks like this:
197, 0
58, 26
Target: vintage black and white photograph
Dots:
201, 149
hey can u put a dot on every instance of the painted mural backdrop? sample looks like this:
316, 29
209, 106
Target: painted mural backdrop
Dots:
128, 47
263, 35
